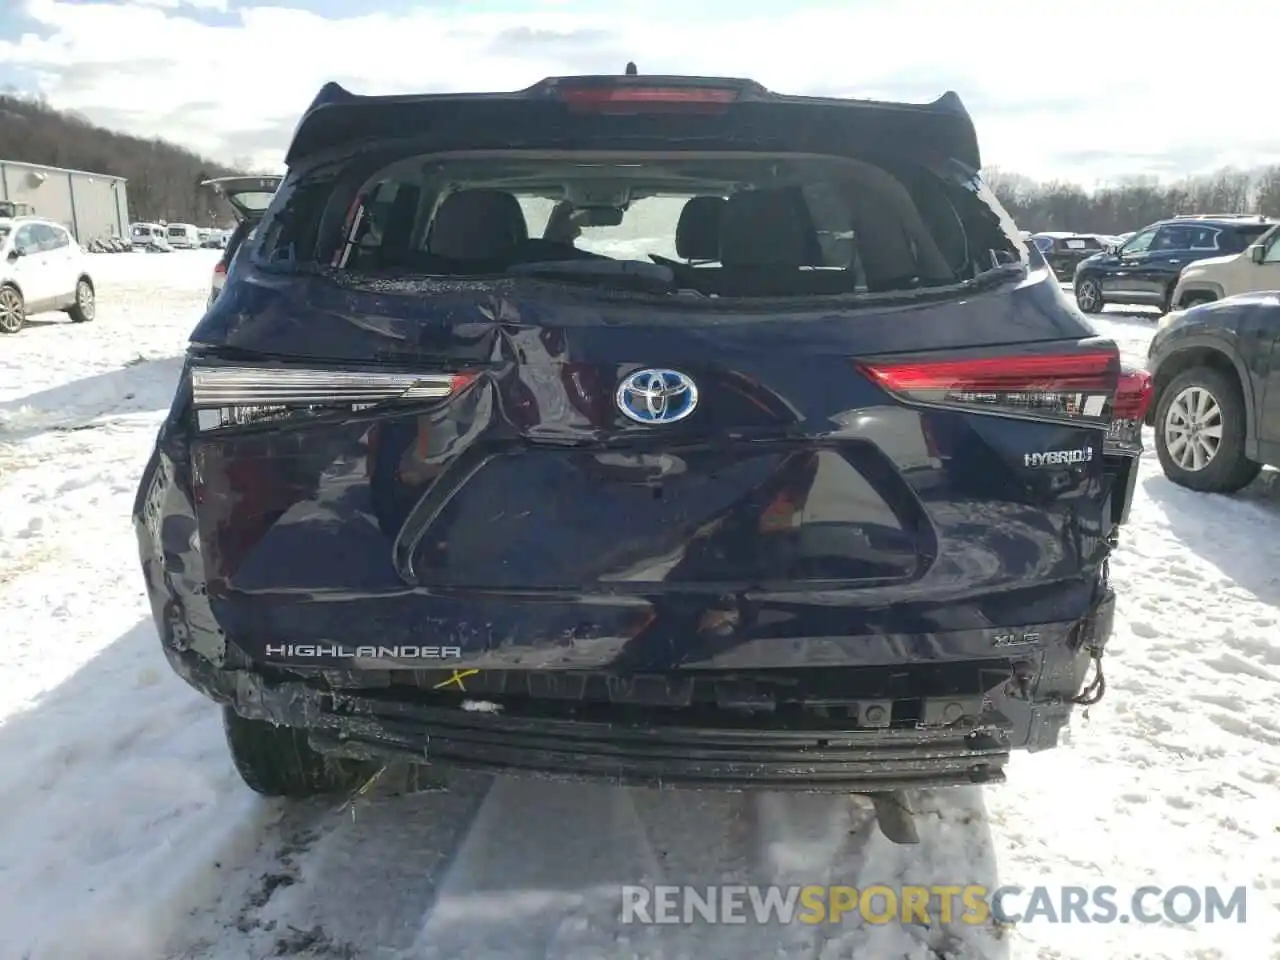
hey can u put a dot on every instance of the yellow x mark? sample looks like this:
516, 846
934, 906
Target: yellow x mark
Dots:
457, 678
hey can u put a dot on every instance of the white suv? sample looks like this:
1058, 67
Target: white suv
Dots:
42, 268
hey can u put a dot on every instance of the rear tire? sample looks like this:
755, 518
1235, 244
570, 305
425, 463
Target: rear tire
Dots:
86, 306
1226, 469
279, 762
1089, 295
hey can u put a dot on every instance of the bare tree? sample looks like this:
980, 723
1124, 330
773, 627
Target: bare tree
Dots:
164, 179
1133, 202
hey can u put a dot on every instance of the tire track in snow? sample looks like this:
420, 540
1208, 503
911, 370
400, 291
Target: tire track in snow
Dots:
520, 868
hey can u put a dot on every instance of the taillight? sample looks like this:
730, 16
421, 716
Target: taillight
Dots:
1072, 387
240, 396
220, 270
1133, 394
1133, 399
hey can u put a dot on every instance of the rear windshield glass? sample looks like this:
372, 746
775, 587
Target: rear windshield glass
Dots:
177, 231
725, 224
1238, 238
252, 200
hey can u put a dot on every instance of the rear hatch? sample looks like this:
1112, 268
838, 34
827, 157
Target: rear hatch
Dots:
796, 405
249, 199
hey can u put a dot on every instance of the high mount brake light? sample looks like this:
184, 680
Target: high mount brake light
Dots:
1074, 387
628, 99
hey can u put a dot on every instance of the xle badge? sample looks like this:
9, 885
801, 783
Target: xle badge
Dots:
1014, 639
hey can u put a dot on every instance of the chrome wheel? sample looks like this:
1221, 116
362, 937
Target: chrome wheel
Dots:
1089, 296
84, 300
1193, 429
12, 312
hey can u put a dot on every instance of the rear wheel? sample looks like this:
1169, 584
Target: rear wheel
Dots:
279, 762
85, 308
1200, 432
1089, 295
13, 311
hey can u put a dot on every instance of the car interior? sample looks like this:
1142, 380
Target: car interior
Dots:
738, 226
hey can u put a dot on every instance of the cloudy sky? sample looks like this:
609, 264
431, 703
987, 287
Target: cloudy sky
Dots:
1087, 91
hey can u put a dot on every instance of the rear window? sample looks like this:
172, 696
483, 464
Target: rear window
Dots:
177, 231
252, 200
1237, 238
724, 224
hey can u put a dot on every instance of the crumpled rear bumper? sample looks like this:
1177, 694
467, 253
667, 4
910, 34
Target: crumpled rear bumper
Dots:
626, 744
732, 755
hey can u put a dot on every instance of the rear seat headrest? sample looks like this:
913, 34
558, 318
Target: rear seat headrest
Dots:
698, 229
478, 225
768, 228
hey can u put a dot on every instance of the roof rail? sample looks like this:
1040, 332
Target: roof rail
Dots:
1220, 216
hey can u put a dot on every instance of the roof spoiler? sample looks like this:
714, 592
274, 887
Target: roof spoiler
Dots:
337, 117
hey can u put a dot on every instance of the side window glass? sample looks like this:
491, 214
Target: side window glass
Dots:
1204, 238
1173, 238
1273, 248
25, 240
1140, 243
57, 239
44, 237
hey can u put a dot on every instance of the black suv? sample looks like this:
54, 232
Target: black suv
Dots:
1216, 392
1065, 251
810, 484
1144, 270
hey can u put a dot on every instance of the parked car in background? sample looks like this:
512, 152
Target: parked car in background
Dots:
42, 269
655, 513
1064, 251
1254, 269
1216, 391
12, 209
249, 198
149, 236
182, 236
1144, 270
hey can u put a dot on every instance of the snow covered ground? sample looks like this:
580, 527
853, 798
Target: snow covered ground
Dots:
127, 836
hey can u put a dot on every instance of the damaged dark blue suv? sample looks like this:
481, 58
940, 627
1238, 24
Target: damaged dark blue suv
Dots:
657, 430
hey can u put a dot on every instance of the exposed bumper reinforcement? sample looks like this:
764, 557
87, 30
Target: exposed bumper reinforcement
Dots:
745, 756
758, 758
